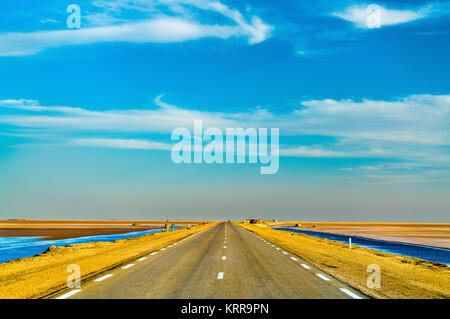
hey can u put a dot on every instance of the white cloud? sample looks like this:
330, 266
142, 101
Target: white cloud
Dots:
121, 143
161, 120
306, 151
158, 28
414, 128
257, 30
422, 177
359, 15
318, 151
423, 119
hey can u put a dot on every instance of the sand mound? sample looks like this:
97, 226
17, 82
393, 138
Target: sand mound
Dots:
51, 249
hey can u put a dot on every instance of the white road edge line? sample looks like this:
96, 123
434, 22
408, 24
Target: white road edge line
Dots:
141, 259
154, 253
294, 259
306, 266
351, 294
220, 275
104, 277
69, 294
323, 277
128, 266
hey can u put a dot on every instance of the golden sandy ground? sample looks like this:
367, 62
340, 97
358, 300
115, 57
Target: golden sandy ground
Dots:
42, 275
401, 277
429, 234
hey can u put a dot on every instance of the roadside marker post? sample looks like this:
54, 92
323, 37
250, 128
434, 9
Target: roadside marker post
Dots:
350, 242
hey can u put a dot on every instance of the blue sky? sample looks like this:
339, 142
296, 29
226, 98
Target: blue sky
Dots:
364, 113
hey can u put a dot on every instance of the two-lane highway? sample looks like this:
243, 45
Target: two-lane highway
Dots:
225, 261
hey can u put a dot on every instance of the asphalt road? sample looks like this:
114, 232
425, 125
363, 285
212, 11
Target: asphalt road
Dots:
225, 261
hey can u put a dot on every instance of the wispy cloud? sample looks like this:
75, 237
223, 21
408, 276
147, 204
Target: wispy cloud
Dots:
422, 119
430, 176
415, 127
160, 27
121, 143
319, 151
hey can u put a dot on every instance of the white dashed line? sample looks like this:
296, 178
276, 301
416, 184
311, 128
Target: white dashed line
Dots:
351, 294
162, 249
104, 277
220, 275
169, 246
224, 246
323, 277
294, 259
128, 266
278, 248
224, 257
154, 253
283, 252
306, 266
141, 259
69, 294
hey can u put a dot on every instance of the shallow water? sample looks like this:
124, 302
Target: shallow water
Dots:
21, 247
423, 252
